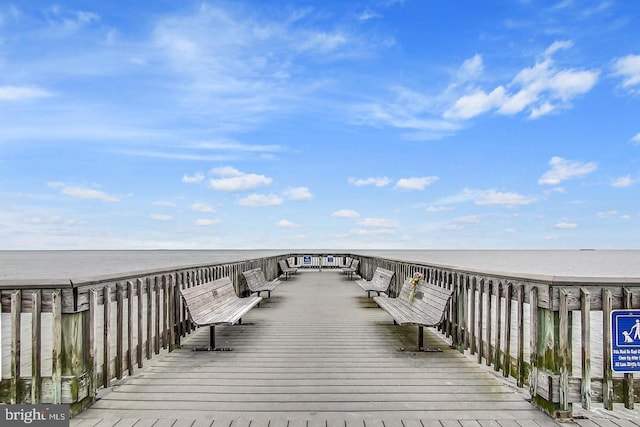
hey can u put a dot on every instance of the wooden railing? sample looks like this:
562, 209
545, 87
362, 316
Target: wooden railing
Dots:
61, 342
549, 334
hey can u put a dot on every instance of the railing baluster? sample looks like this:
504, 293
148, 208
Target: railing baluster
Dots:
36, 346
16, 317
506, 363
627, 384
585, 311
607, 374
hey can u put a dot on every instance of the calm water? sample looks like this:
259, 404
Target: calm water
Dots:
80, 264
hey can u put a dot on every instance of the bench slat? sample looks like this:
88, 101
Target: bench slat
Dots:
379, 282
286, 270
257, 282
427, 309
216, 302
351, 268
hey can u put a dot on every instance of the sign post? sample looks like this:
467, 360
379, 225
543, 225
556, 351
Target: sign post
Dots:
625, 341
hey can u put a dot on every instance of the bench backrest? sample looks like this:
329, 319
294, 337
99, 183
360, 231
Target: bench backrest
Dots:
354, 264
382, 277
255, 277
429, 299
201, 300
283, 265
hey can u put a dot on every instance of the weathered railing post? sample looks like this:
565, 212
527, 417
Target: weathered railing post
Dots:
585, 311
73, 358
551, 360
607, 374
627, 385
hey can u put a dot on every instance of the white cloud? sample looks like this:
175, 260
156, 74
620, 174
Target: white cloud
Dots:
298, 193
226, 171
287, 224
454, 227
607, 214
377, 181
70, 20
539, 89
471, 68
466, 195
52, 220
566, 225
17, 93
165, 203
628, 67
461, 222
487, 197
378, 223
368, 14
229, 145
240, 65
345, 213
562, 170
205, 222
624, 181
233, 180
85, 193
408, 110
434, 209
160, 217
201, 207
558, 45
469, 219
493, 197
636, 139
418, 183
193, 179
254, 200
324, 42
371, 231
477, 103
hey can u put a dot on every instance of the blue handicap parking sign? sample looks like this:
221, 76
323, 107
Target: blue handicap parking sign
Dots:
625, 340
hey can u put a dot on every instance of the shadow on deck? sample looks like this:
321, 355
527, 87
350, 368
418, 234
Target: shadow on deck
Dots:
318, 352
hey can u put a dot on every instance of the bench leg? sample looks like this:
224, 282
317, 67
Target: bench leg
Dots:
212, 342
421, 342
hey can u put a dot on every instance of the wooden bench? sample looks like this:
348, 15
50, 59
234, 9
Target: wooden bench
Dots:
379, 282
286, 270
258, 283
428, 307
352, 268
216, 303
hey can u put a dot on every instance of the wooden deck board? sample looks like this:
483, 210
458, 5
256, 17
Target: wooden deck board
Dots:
317, 353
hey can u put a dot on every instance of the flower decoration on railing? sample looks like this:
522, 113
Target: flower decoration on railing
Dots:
414, 282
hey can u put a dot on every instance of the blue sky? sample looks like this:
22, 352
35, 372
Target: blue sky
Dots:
320, 125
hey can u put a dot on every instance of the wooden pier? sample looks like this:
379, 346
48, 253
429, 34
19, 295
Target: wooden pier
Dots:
317, 353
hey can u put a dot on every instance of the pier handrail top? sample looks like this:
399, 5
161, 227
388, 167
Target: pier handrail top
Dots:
520, 277
35, 283
115, 277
